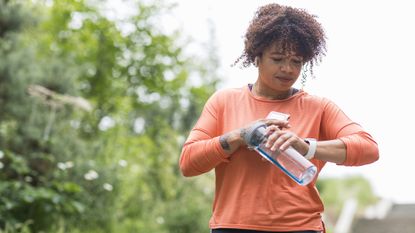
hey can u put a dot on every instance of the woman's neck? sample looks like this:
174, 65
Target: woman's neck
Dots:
272, 95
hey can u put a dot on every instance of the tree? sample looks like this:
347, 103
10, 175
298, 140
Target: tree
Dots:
336, 191
36, 136
118, 158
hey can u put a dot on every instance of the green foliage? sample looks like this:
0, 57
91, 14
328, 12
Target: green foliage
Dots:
11, 17
111, 167
335, 192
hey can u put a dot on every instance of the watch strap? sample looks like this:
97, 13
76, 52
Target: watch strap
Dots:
312, 147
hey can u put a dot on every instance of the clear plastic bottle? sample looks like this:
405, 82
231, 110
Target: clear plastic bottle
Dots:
289, 161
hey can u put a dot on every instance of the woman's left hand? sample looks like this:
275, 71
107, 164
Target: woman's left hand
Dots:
280, 139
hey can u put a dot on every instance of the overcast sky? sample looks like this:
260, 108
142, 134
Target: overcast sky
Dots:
368, 72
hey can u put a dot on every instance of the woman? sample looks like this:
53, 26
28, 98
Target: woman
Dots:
251, 194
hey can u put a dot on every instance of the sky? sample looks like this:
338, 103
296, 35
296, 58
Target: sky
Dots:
368, 71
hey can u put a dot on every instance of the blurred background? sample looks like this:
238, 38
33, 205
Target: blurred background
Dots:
97, 97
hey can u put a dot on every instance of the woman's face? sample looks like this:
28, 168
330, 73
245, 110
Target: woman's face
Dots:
278, 70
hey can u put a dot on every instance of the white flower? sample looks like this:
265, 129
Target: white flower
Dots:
160, 220
122, 163
28, 179
62, 166
91, 175
66, 165
139, 125
69, 164
106, 123
107, 187
1, 154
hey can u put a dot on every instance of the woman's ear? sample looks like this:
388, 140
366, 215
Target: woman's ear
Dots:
256, 60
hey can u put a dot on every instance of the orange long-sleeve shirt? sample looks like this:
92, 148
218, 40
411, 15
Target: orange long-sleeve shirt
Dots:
252, 193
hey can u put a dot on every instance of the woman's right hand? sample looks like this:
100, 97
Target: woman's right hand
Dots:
281, 124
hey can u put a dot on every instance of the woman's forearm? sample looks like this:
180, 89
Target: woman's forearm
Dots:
231, 141
352, 150
331, 151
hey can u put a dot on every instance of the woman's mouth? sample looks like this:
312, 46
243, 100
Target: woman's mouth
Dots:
284, 79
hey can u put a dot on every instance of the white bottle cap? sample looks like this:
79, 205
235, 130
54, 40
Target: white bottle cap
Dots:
278, 116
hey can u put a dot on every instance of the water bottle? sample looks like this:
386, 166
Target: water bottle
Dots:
289, 161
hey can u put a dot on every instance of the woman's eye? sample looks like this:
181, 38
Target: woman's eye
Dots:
277, 59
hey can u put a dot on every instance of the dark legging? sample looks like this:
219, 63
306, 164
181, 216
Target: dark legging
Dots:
252, 231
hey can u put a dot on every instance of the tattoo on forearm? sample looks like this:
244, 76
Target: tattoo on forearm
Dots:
224, 142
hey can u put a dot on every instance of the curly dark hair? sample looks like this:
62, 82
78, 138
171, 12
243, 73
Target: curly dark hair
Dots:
295, 28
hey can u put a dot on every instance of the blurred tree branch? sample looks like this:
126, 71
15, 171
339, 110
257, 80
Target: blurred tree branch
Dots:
55, 99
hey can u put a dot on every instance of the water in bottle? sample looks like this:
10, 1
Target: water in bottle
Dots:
289, 161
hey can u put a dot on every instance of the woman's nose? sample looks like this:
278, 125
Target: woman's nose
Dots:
286, 67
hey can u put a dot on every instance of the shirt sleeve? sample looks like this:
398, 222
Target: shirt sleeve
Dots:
202, 150
361, 148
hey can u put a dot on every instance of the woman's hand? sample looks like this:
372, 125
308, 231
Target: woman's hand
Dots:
281, 139
330, 151
276, 124
232, 140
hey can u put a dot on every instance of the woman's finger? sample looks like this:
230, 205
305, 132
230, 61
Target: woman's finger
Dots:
273, 137
280, 123
284, 138
290, 139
